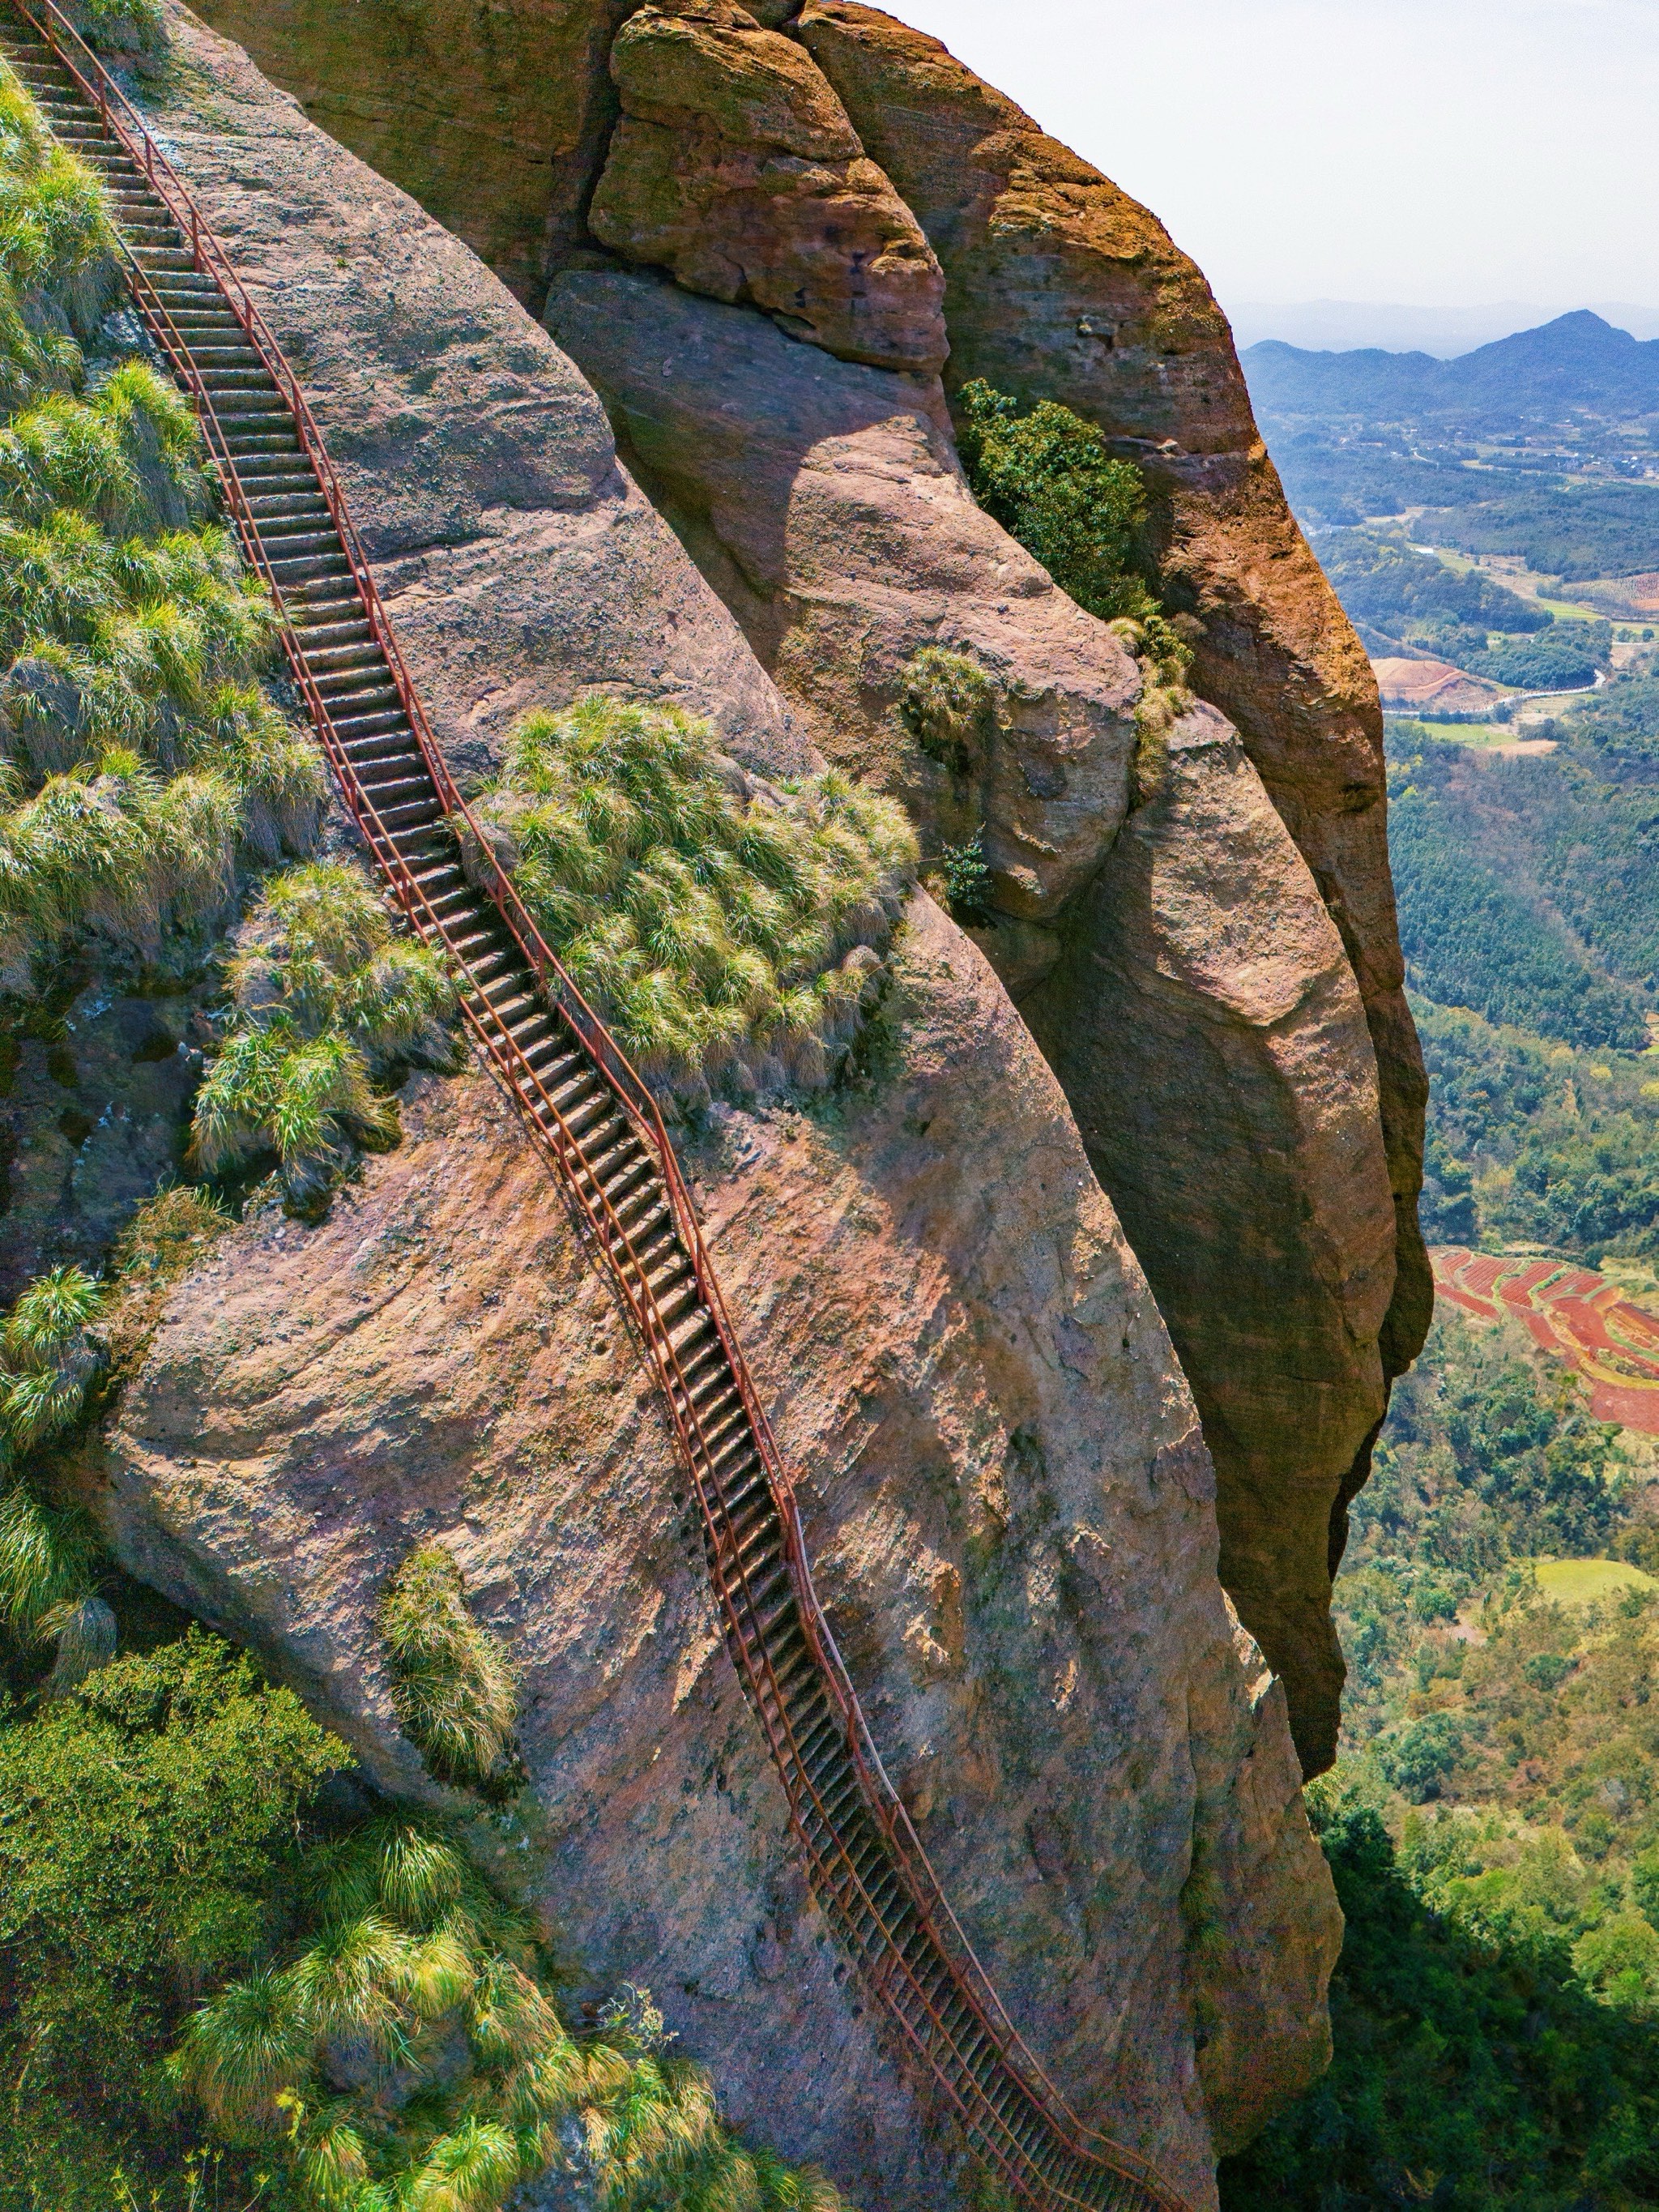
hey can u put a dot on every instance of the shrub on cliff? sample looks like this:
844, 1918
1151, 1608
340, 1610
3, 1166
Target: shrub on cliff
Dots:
151, 1832
451, 1687
1045, 474
717, 921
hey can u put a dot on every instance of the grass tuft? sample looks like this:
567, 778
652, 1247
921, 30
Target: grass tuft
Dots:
462, 2083
327, 1000
451, 1687
721, 924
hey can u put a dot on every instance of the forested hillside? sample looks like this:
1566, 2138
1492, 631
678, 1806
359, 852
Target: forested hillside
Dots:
1493, 1821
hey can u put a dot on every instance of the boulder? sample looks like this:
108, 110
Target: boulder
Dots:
825, 501
735, 167
1009, 1507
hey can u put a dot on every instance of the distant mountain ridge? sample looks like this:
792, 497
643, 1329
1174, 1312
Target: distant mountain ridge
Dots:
1578, 360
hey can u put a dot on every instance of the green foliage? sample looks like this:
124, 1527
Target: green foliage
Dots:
1046, 476
326, 999
1534, 1144
58, 254
717, 922
139, 761
949, 703
966, 881
452, 1686
1616, 733
1469, 2074
150, 1827
1410, 596
47, 1358
1526, 890
461, 2083
130, 25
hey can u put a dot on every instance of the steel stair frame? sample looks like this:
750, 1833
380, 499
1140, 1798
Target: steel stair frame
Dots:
598, 1126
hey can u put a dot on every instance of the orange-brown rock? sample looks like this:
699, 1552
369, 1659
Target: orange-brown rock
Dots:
824, 501
1207, 1027
1061, 286
735, 167
495, 118
1234, 1119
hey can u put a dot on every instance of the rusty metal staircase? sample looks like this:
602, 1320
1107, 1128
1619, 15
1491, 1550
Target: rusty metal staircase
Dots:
598, 1126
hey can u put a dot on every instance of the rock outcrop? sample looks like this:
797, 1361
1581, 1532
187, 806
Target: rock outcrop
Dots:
1061, 286
1226, 1086
1008, 1503
734, 166
1008, 1495
826, 509
825, 501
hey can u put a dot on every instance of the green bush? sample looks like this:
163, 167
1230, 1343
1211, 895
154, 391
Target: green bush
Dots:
719, 923
410, 2050
326, 999
151, 1833
949, 701
451, 1687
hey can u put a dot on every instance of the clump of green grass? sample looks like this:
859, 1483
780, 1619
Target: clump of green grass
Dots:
49, 1357
141, 765
327, 1000
451, 1687
724, 927
59, 265
128, 25
949, 703
411, 2051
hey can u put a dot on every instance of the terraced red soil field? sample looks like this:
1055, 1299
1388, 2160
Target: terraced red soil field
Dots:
1577, 1315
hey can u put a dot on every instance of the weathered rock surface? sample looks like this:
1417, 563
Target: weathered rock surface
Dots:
1010, 1508
519, 562
493, 119
825, 503
1057, 284
1061, 286
1226, 1086
89, 1124
1007, 1490
734, 166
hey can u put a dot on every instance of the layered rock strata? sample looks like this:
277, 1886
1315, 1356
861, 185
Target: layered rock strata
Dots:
1007, 1489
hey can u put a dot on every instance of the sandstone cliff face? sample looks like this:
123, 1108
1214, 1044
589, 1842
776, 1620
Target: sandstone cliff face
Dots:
1061, 286
1008, 1494
825, 501
825, 504
1009, 1505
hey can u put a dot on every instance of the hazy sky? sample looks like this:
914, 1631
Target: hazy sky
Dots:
1441, 151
